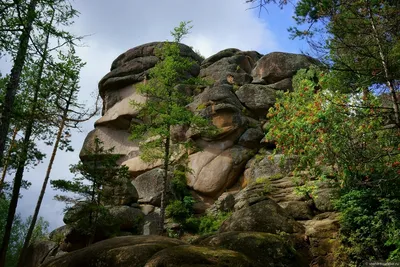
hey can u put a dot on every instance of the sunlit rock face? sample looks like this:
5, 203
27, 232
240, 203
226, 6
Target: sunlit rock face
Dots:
242, 89
232, 170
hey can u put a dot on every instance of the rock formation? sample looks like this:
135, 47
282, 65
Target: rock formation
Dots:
270, 225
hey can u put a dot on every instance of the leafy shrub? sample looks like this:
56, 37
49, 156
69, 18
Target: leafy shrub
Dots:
210, 223
180, 210
318, 126
207, 224
370, 226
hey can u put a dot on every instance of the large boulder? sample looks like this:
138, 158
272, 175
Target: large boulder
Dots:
264, 216
220, 104
116, 252
39, 252
277, 66
229, 66
266, 165
127, 218
122, 193
197, 256
321, 233
256, 97
251, 138
149, 186
117, 140
263, 249
148, 251
212, 173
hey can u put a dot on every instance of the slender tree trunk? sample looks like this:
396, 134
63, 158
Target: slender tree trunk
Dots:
46, 180
6, 163
164, 185
21, 163
15, 76
389, 80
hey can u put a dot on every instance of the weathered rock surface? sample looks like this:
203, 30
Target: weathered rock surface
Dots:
116, 252
263, 249
264, 216
229, 66
277, 66
197, 256
132, 67
128, 218
39, 252
148, 251
149, 186
322, 232
220, 171
124, 193
226, 173
257, 97
115, 139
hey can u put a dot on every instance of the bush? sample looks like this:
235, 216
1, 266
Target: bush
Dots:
370, 226
319, 128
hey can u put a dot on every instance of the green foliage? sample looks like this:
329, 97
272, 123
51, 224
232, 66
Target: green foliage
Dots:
178, 182
166, 106
18, 232
319, 127
97, 172
370, 226
180, 210
206, 224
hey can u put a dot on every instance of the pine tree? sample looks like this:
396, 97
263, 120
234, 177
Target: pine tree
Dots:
98, 171
165, 108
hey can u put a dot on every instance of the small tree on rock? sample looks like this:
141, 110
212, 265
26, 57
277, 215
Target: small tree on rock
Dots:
89, 211
165, 109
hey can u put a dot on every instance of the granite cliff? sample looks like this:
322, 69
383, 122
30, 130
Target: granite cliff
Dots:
271, 226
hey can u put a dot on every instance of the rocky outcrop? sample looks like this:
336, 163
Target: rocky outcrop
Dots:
233, 170
277, 66
253, 218
263, 249
226, 249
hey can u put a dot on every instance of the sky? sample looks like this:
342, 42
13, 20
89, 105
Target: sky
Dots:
112, 27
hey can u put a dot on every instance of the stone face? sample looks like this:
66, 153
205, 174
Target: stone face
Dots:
119, 110
322, 232
264, 216
137, 166
263, 249
278, 66
283, 85
133, 66
74, 213
151, 223
256, 97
